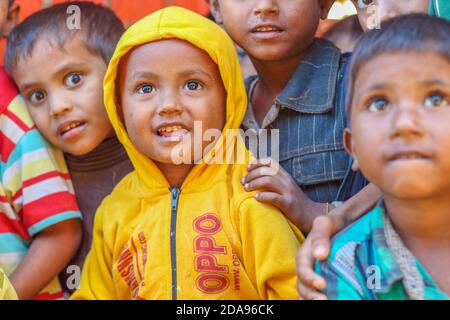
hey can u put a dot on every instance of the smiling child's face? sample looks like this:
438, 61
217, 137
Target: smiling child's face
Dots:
63, 91
400, 115
165, 86
271, 30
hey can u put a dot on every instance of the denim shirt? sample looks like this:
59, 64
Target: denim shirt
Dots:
310, 116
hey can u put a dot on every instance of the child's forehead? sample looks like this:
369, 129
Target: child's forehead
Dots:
398, 76
403, 68
181, 50
56, 58
52, 44
172, 44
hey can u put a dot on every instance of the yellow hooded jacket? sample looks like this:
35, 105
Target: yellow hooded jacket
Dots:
7, 291
208, 240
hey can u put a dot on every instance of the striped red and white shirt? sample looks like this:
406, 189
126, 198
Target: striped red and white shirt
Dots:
35, 187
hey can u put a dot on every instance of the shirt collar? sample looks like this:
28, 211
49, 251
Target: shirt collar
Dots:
312, 87
389, 269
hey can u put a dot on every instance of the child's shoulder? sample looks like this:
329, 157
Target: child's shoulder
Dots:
8, 90
359, 231
357, 236
353, 245
12, 105
125, 192
314, 86
353, 252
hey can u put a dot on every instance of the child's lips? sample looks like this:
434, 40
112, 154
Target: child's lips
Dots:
71, 129
408, 155
266, 32
172, 133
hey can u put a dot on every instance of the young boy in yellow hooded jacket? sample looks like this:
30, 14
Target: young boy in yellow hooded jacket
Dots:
184, 228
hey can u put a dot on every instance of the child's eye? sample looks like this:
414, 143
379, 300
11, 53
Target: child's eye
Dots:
364, 3
73, 79
145, 89
37, 97
193, 85
379, 104
436, 101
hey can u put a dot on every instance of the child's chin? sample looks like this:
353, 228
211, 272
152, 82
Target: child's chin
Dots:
172, 161
411, 188
77, 150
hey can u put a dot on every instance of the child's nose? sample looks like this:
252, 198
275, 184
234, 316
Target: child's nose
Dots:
266, 8
406, 122
59, 106
169, 104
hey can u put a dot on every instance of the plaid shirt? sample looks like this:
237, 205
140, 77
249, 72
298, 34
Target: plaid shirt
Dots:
362, 266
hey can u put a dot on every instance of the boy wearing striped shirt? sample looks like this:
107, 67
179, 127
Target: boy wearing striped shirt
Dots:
39, 219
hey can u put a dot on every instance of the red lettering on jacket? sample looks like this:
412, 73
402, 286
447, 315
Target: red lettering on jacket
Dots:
207, 262
207, 224
125, 267
208, 245
213, 276
212, 283
129, 264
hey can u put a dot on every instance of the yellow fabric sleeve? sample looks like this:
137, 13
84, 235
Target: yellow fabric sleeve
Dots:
269, 245
7, 291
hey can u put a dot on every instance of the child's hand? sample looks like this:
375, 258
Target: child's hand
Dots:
317, 244
315, 247
280, 190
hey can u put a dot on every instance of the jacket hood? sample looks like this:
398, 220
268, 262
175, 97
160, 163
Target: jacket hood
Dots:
179, 23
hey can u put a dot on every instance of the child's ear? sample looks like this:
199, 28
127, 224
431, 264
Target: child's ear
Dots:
348, 145
12, 19
325, 6
216, 11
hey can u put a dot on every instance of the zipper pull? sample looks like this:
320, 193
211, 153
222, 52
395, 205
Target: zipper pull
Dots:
175, 194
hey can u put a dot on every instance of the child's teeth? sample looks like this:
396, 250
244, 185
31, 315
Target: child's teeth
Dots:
266, 29
71, 126
169, 129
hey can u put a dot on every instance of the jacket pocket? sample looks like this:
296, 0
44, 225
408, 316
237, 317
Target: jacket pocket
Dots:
320, 167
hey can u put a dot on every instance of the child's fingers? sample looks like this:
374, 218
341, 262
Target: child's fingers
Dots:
307, 294
320, 237
309, 283
312, 282
270, 198
265, 162
265, 183
257, 173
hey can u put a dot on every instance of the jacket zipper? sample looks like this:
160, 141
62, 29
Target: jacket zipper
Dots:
173, 240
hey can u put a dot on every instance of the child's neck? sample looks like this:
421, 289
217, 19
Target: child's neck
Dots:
175, 174
424, 220
274, 75
273, 78
424, 227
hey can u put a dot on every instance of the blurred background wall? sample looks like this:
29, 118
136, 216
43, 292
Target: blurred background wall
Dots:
128, 10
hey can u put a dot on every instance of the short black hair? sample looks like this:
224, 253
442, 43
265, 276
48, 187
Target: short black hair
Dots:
413, 32
100, 29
